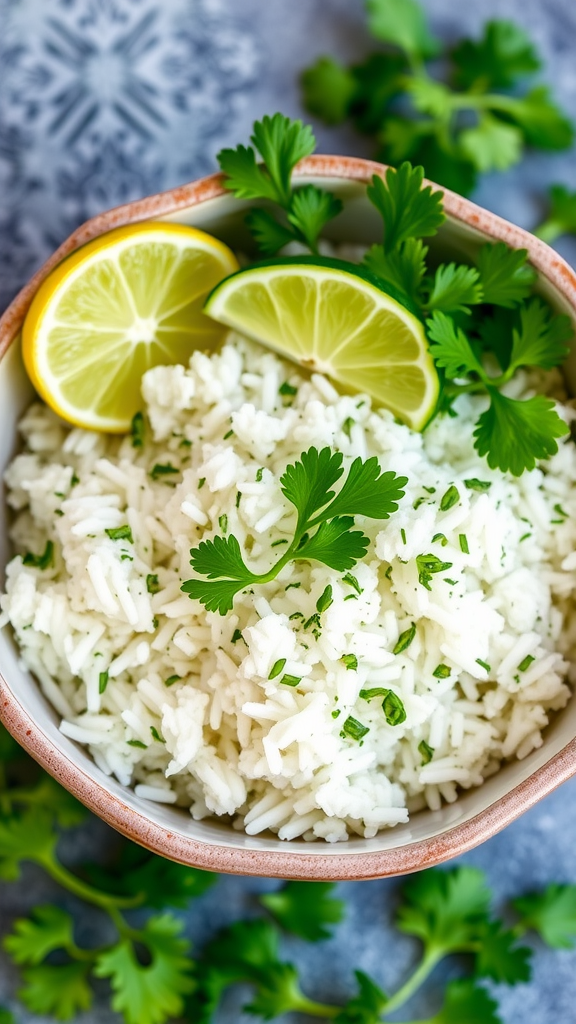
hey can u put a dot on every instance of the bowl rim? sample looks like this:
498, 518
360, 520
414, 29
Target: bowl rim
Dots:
285, 863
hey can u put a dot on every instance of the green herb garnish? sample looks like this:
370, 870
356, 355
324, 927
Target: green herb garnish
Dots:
152, 584
350, 661
277, 668
299, 213
43, 561
478, 117
441, 672
138, 430
353, 729
427, 565
426, 751
120, 533
162, 469
324, 530
405, 639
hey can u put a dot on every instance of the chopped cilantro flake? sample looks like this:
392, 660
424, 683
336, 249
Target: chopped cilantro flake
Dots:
350, 661
163, 469
102, 681
526, 662
426, 751
347, 426
441, 671
354, 729
152, 584
201, 482
325, 600
137, 743
42, 561
155, 734
483, 664
439, 538
120, 533
405, 639
289, 680
478, 485
403, 535
137, 430
450, 498
427, 565
171, 680
463, 544
287, 390
277, 668
223, 522
352, 582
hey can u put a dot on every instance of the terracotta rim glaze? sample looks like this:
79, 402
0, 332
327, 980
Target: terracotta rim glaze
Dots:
284, 863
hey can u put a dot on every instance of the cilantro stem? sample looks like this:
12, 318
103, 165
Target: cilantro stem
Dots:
426, 966
304, 1005
106, 901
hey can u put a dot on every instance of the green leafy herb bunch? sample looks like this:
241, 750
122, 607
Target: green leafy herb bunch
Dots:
460, 110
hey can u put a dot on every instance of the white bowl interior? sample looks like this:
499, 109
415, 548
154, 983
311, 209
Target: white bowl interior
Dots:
223, 216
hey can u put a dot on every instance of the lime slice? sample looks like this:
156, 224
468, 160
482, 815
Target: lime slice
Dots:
332, 317
129, 300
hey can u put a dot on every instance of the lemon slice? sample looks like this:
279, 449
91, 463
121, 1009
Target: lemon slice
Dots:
128, 300
334, 318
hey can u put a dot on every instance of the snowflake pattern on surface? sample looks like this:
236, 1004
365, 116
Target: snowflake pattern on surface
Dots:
104, 101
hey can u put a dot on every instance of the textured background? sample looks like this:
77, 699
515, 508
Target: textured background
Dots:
107, 100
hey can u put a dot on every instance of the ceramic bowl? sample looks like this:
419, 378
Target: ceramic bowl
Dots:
431, 837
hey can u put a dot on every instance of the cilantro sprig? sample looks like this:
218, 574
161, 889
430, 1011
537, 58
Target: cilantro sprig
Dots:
473, 314
301, 212
480, 117
147, 959
324, 526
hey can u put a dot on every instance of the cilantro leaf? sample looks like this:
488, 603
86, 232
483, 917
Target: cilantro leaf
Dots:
57, 991
367, 1006
455, 288
244, 176
407, 209
48, 928
403, 267
492, 145
328, 88
445, 909
401, 23
466, 1003
278, 992
269, 234
335, 544
515, 434
551, 913
505, 278
305, 909
52, 798
561, 219
151, 993
378, 80
282, 143
543, 123
502, 55
500, 958
164, 883
310, 209
450, 347
306, 483
213, 558
367, 491
30, 836
542, 338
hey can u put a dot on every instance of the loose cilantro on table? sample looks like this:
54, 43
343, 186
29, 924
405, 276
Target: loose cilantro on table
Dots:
480, 117
561, 216
323, 531
147, 962
301, 212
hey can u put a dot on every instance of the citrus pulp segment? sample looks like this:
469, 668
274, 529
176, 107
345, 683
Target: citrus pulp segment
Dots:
124, 302
333, 318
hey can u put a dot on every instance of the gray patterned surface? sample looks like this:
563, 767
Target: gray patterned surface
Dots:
106, 100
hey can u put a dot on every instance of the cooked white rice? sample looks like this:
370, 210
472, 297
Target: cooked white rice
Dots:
224, 739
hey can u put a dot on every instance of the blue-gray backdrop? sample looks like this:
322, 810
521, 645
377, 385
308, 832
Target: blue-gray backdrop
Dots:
102, 101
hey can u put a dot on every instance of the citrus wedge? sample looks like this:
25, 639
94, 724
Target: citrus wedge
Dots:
332, 317
128, 300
